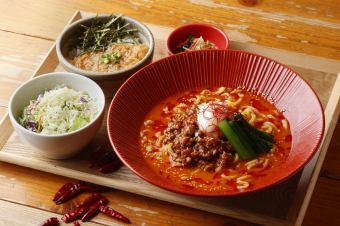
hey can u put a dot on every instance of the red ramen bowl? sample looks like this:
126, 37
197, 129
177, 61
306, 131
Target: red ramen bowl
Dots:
207, 31
215, 68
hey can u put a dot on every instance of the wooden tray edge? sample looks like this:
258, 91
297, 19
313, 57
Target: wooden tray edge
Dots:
5, 124
332, 108
175, 198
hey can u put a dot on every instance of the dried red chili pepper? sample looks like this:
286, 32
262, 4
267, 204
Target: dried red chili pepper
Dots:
113, 213
74, 214
94, 209
96, 154
95, 197
71, 191
76, 223
53, 221
104, 160
101, 156
110, 167
61, 191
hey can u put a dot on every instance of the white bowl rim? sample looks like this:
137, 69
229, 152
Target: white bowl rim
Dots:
94, 74
54, 74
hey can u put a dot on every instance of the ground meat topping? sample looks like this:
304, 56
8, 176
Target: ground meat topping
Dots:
191, 148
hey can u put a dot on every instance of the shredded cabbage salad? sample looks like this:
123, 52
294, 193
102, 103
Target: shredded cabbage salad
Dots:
59, 110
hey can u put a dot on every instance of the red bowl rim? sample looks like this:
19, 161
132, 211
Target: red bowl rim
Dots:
229, 193
192, 25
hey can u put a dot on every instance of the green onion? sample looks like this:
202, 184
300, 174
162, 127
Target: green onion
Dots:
111, 58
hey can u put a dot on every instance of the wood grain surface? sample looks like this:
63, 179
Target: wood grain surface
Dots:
3, 111
20, 55
276, 201
310, 27
288, 25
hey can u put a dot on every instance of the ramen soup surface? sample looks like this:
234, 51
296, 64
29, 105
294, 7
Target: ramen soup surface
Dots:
182, 143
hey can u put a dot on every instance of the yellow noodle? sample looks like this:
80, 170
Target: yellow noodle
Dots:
205, 92
271, 116
228, 177
259, 167
236, 158
149, 148
160, 140
220, 90
236, 91
148, 122
266, 163
252, 119
184, 177
274, 148
179, 108
218, 169
254, 163
143, 132
195, 171
284, 123
166, 110
244, 178
257, 112
242, 184
234, 103
198, 99
269, 127
168, 148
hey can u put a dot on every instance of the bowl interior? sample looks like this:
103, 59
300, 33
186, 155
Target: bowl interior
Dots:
215, 68
69, 38
31, 89
208, 32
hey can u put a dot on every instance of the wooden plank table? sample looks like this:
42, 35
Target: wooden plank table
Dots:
28, 28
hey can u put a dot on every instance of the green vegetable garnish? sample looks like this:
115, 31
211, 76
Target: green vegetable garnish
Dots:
111, 58
247, 141
101, 34
243, 149
187, 44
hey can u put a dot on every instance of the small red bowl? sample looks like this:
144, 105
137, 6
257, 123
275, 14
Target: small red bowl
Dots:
207, 31
214, 68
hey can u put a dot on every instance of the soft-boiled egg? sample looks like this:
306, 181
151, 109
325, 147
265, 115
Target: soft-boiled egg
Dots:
209, 116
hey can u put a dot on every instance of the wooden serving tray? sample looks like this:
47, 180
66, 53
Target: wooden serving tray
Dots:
282, 204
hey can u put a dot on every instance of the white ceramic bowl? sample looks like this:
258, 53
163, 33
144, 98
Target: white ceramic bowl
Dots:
64, 145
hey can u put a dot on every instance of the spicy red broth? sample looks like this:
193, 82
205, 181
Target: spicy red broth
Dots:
178, 147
